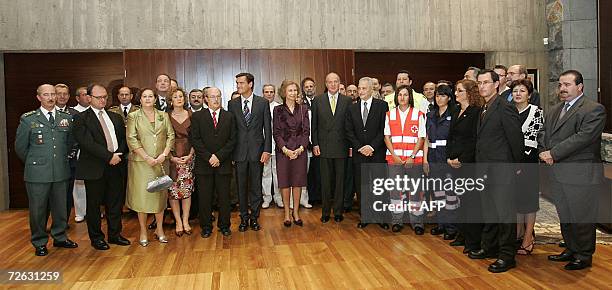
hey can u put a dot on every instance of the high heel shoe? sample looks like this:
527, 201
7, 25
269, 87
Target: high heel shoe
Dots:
525, 251
287, 223
144, 242
179, 233
161, 239
188, 232
297, 222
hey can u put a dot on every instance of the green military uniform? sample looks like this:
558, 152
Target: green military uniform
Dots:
119, 110
44, 147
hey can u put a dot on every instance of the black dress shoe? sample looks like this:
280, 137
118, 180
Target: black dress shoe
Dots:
384, 226
419, 231
396, 228
338, 218
577, 264
325, 219
565, 256
347, 209
121, 241
206, 233
457, 243
436, 231
100, 245
226, 232
562, 244
501, 265
41, 251
65, 244
255, 225
244, 225
448, 237
361, 225
481, 254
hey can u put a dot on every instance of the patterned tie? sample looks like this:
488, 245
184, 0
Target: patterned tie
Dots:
162, 104
364, 116
107, 136
51, 119
125, 112
333, 104
484, 111
215, 119
563, 111
247, 113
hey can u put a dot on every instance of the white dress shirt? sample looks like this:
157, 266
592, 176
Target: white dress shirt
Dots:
109, 125
80, 108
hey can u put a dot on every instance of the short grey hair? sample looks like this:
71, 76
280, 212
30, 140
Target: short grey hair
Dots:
366, 80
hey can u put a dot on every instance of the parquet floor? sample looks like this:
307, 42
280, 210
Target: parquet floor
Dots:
330, 256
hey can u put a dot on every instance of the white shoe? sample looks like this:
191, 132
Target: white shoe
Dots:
279, 203
306, 204
79, 219
265, 204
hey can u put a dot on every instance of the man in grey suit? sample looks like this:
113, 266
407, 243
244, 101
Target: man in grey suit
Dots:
253, 148
329, 142
571, 142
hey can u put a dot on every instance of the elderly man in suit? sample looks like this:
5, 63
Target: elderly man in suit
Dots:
253, 148
329, 142
499, 143
571, 142
101, 137
43, 142
213, 136
365, 126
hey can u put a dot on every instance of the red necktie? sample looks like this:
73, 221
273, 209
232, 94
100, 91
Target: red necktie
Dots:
214, 119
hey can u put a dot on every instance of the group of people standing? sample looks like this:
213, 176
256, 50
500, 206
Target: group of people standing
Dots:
192, 138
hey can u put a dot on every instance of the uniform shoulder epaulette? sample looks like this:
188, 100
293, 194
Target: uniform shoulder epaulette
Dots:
62, 112
113, 107
28, 113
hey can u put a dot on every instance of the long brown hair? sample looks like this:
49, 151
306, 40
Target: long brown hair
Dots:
471, 89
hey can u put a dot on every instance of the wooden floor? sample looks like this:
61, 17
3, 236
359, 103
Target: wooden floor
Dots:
330, 256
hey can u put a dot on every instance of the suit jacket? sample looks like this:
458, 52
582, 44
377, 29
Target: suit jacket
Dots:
575, 141
371, 134
94, 155
499, 139
44, 146
153, 139
208, 140
461, 142
255, 139
328, 130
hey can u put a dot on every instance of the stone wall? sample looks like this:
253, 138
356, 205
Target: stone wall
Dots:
606, 147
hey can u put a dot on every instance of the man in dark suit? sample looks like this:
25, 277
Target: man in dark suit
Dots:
62, 94
253, 148
43, 140
499, 143
365, 126
213, 136
162, 90
101, 138
571, 143
329, 142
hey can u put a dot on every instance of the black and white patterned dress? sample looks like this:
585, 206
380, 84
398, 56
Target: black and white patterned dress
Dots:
532, 119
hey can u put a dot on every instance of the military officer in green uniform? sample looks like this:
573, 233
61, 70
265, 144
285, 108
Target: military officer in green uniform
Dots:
43, 142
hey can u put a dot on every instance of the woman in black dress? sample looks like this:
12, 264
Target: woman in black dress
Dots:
461, 155
532, 120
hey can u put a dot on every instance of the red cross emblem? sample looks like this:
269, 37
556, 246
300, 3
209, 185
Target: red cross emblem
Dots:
414, 128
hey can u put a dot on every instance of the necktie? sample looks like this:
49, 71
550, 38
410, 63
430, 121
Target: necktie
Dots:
215, 119
125, 112
246, 112
563, 111
364, 116
162, 104
484, 111
107, 136
333, 105
51, 119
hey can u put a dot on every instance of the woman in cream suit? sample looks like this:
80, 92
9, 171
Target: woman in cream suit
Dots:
150, 138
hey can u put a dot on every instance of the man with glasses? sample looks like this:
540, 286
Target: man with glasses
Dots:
43, 142
502, 71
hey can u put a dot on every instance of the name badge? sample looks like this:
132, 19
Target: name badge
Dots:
40, 140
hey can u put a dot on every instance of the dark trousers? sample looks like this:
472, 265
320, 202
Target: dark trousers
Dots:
249, 173
194, 209
577, 209
350, 184
314, 180
69, 198
110, 192
499, 213
470, 218
208, 186
332, 185
42, 198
